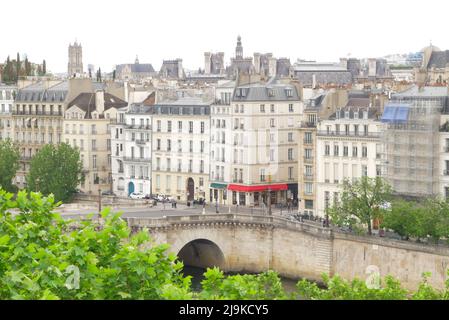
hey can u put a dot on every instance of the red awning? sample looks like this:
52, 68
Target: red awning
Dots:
257, 188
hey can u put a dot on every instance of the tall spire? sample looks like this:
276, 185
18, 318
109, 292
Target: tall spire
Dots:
137, 59
239, 48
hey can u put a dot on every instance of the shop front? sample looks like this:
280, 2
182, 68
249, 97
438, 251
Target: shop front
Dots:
257, 195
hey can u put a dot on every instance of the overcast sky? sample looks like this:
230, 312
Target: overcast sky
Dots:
115, 31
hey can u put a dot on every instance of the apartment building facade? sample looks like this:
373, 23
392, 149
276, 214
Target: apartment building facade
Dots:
7, 95
264, 160
348, 148
131, 150
87, 126
181, 148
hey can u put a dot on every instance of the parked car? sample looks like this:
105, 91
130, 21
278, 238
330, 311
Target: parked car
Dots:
108, 193
137, 195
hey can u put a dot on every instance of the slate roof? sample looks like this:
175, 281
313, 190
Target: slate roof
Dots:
136, 68
423, 92
37, 93
86, 102
372, 113
260, 92
439, 59
324, 77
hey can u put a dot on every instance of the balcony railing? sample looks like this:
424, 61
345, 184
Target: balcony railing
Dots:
308, 176
135, 159
141, 141
348, 134
308, 160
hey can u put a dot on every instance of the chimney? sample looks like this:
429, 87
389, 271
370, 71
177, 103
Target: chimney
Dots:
99, 101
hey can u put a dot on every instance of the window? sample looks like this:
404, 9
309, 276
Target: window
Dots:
191, 146
179, 126
308, 204
158, 123
345, 151
290, 173
271, 154
169, 126
308, 137
364, 171
365, 129
290, 154
262, 175
364, 152
378, 170
242, 108
356, 129
202, 166
262, 108
308, 153
202, 127
326, 199
354, 152
190, 126
168, 145
327, 150
290, 137
201, 182
308, 188
347, 129
202, 147
272, 108
94, 145
179, 145
94, 161
337, 129
290, 107
158, 144
94, 129
336, 150
272, 122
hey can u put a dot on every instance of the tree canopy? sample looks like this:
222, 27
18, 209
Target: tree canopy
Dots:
360, 203
9, 163
56, 169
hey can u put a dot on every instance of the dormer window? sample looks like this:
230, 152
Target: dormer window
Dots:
270, 92
338, 114
365, 115
356, 114
289, 92
346, 114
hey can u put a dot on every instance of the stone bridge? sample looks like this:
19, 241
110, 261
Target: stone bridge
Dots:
249, 243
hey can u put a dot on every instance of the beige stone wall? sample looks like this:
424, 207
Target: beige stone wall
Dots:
298, 250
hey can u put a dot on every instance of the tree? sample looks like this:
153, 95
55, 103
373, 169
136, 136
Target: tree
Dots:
57, 170
361, 202
9, 163
113, 75
64, 259
44, 68
27, 67
99, 75
18, 66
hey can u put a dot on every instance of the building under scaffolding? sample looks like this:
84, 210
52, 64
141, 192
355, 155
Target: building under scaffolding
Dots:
411, 140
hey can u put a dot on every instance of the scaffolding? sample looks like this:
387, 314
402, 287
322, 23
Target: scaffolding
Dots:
410, 141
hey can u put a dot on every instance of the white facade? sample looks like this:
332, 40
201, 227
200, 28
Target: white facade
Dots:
348, 146
131, 151
7, 94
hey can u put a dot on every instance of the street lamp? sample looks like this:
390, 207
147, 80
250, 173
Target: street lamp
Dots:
216, 203
269, 195
99, 202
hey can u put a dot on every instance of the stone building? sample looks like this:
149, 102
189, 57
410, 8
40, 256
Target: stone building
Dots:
135, 71
239, 64
172, 69
75, 65
7, 95
214, 63
87, 126
265, 118
131, 141
180, 143
434, 68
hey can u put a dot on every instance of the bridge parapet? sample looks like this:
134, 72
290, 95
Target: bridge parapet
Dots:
224, 219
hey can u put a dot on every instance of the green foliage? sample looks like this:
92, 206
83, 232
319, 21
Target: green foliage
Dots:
419, 220
264, 286
9, 163
56, 170
41, 255
360, 203
390, 289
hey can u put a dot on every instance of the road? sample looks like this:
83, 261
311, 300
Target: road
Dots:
160, 211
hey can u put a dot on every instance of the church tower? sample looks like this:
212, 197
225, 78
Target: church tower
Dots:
75, 65
239, 48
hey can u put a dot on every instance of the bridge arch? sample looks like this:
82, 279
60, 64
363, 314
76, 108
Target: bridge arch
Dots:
202, 253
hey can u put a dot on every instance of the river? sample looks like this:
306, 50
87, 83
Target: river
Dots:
197, 276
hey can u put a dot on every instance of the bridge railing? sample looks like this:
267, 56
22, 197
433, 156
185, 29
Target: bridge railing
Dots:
242, 218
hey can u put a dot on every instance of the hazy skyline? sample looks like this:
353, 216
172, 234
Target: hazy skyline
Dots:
114, 32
